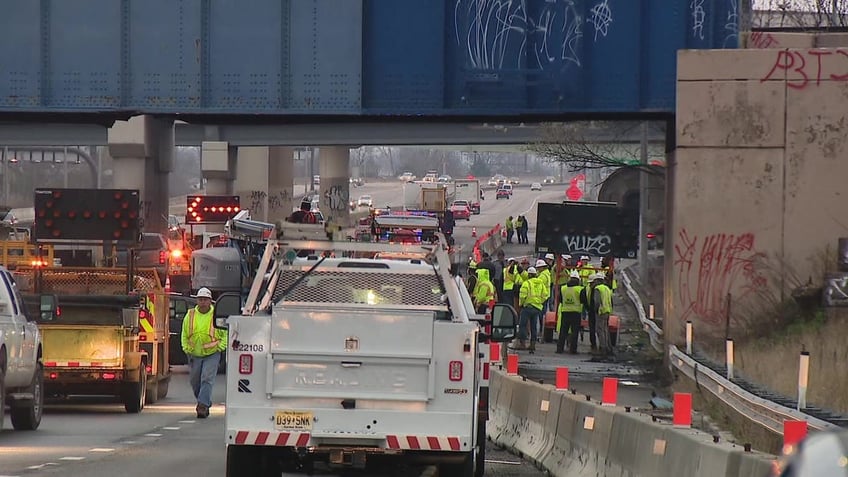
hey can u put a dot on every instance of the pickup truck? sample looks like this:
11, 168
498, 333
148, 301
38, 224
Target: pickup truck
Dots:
21, 375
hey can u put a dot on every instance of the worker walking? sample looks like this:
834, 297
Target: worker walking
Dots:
570, 313
202, 344
510, 229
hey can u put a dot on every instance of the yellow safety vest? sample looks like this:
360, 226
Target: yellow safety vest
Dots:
571, 299
605, 307
199, 336
510, 278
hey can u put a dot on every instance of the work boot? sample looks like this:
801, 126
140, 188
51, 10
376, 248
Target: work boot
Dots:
202, 411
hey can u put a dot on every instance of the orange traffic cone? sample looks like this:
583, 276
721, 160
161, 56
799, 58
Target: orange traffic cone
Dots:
473, 232
503, 233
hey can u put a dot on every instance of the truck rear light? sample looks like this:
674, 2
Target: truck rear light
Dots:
245, 364
163, 256
109, 376
54, 375
455, 371
148, 368
142, 337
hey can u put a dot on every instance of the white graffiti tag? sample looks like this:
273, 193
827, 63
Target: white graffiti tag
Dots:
498, 34
731, 27
601, 18
598, 245
698, 17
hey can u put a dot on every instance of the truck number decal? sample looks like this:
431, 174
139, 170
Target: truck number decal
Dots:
257, 348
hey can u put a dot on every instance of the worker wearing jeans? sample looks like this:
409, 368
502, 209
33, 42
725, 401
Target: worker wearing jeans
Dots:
203, 345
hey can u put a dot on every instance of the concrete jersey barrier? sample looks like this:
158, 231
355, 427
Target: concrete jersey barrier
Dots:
569, 436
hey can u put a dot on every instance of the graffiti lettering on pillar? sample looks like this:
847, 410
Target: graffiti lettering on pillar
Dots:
598, 245
836, 289
278, 200
710, 267
804, 68
257, 201
337, 197
146, 208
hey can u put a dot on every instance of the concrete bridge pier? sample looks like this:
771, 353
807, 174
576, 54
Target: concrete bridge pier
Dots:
334, 166
265, 182
143, 150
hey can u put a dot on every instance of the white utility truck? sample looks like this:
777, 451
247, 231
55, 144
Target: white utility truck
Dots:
469, 189
338, 359
21, 368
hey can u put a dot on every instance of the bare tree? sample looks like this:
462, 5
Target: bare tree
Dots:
800, 14
575, 145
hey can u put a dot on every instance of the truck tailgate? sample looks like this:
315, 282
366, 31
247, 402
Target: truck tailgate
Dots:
83, 346
353, 354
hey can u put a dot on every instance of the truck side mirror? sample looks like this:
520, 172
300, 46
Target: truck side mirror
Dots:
504, 323
228, 304
48, 308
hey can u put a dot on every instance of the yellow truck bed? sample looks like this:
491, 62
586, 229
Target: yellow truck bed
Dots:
84, 346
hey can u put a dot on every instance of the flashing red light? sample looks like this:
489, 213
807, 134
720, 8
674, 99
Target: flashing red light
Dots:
86, 214
57, 214
142, 314
56, 233
57, 194
118, 196
109, 376
142, 337
116, 234
650, 235
42, 213
148, 368
117, 215
163, 257
125, 205
54, 375
102, 214
72, 214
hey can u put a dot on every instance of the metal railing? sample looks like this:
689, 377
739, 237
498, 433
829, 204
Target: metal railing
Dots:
763, 412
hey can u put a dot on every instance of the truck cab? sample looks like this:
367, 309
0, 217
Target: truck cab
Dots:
341, 362
21, 378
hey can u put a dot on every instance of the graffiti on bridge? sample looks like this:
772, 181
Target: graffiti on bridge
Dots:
597, 245
278, 200
337, 198
711, 267
257, 202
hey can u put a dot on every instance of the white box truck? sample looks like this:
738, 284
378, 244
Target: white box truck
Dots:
469, 189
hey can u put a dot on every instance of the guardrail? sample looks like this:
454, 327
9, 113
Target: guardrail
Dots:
763, 412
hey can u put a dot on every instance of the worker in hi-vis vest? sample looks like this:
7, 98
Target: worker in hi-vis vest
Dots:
570, 313
203, 344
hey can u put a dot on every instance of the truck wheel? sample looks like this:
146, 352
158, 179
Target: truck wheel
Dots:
28, 417
480, 457
152, 392
2, 393
163, 389
135, 393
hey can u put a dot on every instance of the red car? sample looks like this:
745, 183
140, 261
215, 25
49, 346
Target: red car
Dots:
460, 212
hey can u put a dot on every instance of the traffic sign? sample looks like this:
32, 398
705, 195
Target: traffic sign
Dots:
574, 193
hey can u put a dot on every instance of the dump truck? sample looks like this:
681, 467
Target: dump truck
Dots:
101, 336
342, 362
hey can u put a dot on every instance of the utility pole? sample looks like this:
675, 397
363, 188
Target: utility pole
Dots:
643, 205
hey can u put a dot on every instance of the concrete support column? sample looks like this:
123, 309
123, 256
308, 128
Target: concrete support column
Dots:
333, 166
218, 170
143, 149
252, 183
281, 199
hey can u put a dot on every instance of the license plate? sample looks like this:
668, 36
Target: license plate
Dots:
293, 421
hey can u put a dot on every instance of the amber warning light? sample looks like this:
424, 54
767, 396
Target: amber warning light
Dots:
211, 209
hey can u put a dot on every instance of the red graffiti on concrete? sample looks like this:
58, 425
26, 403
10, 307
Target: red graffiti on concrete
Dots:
799, 65
763, 40
709, 269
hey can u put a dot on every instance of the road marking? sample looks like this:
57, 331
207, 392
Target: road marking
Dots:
187, 422
72, 458
102, 449
171, 428
128, 442
506, 462
152, 434
9, 476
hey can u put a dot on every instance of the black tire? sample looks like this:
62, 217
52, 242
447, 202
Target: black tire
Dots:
28, 417
463, 469
480, 457
2, 391
136, 393
163, 389
152, 392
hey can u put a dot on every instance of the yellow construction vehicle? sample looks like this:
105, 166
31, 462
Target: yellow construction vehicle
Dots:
101, 334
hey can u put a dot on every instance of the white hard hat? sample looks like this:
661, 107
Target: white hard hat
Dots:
549, 256
584, 257
203, 293
541, 263
600, 276
512, 259
566, 256
574, 274
531, 270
